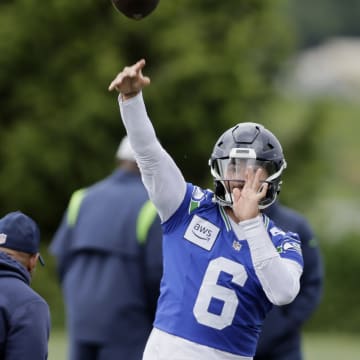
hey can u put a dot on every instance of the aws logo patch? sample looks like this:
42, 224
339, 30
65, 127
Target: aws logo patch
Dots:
201, 232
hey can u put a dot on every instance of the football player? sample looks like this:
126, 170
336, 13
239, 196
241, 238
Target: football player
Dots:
225, 263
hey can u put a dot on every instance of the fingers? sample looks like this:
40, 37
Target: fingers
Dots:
134, 70
263, 189
145, 81
236, 193
252, 178
140, 65
253, 182
116, 82
130, 78
246, 200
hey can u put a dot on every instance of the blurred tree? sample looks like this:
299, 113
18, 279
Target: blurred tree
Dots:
340, 311
212, 64
306, 166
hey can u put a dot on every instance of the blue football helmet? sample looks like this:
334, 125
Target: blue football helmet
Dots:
242, 146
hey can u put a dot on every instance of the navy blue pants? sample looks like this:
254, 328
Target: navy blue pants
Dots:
90, 351
294, 354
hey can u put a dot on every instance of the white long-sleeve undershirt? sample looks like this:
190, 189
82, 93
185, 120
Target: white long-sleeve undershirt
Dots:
280, 278
161, 176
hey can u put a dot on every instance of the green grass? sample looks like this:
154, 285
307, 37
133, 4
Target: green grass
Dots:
58, 346
316, 346
331, 346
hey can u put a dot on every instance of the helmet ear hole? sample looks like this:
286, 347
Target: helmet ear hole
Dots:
271, 194
219, 189
220, 192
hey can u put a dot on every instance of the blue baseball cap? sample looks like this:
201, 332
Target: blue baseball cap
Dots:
19, 232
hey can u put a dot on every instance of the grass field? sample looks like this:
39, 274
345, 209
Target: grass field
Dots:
316, 346
331, 347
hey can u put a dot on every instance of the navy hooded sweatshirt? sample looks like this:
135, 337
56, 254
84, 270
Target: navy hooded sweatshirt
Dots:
24, 314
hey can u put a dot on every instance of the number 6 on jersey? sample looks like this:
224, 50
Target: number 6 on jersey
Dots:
210, 289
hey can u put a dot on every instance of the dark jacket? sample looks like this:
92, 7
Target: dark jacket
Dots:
109, 275
24, 314
281, 332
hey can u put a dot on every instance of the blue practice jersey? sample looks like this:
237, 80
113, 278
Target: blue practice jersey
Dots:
210, 293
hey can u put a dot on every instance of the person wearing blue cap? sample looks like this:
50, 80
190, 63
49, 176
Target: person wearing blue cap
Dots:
24, 314
109, 258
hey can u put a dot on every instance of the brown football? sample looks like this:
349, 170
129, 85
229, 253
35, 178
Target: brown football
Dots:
135, 9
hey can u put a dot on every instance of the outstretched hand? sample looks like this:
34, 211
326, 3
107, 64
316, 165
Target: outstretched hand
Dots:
130, 81
246, 201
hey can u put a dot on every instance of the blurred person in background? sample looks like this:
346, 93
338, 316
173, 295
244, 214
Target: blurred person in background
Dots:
280, 338
109, 258
24, 314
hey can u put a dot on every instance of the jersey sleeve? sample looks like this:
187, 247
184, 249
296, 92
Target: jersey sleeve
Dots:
287, 244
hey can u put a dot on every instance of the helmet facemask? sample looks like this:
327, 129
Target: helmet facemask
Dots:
229, 172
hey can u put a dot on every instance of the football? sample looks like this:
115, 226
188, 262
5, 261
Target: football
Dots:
135, 9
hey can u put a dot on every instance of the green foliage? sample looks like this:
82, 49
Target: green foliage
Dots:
58, 120
212, 65
331, 346
320, 140
339, 310
304, 157
45, 282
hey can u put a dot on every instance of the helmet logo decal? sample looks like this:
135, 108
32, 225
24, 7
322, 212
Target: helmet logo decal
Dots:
242, 153
3, 238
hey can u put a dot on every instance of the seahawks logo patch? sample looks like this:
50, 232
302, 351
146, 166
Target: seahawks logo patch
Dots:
276, 231
290, 245
197, 194
196, 197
